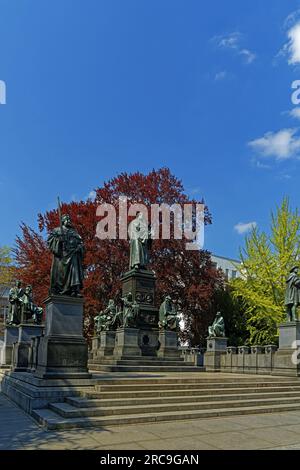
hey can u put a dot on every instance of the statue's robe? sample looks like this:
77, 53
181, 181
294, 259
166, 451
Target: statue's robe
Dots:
15, 304
27, 306
217, 328
138, 233
167, 315
66, 271
292, 292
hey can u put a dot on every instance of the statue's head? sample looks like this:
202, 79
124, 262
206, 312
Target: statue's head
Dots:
129, 296
294, 269
18, 283
111, 302
28, 289
66, 220
168, 298
218, 314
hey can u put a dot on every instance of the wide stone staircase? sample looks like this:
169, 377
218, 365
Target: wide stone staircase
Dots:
169, 397
143, 364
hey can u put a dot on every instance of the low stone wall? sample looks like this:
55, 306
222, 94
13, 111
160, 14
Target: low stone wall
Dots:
249, 360
194, 356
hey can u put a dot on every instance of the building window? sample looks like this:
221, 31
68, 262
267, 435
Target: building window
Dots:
233, 275
227, 274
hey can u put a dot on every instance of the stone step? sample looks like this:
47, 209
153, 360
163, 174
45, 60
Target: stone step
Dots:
184, 367
51, 420
134, 401
145, 359
139, 362
137, 385
68, 411
179, 391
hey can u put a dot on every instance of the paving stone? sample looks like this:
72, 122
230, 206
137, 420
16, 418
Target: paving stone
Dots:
275, 435
236, 441
177, 444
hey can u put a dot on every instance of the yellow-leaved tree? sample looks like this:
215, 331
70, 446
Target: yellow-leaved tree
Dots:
265, 263
7, 270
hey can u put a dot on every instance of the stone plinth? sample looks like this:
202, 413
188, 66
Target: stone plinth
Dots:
216, 348
148, 342
216, 344
11, 335
286, 360
141, 284
33, 354
107, 343
168, 344
63, 351
289, 333
127, 343
95, 346
22, 346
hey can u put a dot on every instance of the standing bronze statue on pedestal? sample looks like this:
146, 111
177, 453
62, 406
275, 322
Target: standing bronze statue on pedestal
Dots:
292, 294
67, 247
140, 241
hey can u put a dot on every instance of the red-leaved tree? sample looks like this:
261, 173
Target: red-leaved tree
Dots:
188, 276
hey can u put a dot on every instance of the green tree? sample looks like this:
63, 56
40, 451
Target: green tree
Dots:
266, 261
6, 267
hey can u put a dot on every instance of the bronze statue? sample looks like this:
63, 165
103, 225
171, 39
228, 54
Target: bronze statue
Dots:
130, 311
168, 318
292, 294
30, 311
67, 247
140, 240
217, 329
16, 294
107, 319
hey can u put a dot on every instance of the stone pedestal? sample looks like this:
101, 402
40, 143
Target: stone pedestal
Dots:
33, 354
168, 347
287, 358
11, 334
22, 346
95, 346
148, 342
289, 333
63, 351
127, 343
107, 343
141, 284
216, 348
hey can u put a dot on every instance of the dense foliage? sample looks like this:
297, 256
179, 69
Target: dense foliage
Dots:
188, 276
266, 261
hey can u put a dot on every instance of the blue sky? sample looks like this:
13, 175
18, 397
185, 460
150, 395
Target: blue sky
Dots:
98, 87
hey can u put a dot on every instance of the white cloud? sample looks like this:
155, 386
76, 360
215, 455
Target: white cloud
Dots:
248, 55
91, 195
295, 113
242, 227
291, 48
220, 75
233, 41
281, 145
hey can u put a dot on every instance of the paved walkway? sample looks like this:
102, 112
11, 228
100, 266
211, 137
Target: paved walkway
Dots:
262, 431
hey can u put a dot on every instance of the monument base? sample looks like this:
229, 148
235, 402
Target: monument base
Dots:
127, 343
168, 344
107, 343
30, 392
63, 350
11, 334
216, 348
22, 347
